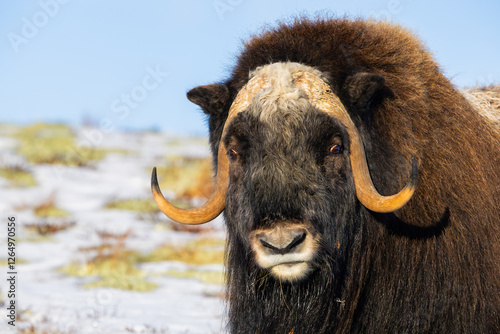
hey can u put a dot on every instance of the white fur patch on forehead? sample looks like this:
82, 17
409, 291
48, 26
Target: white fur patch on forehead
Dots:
280, 94
284, 69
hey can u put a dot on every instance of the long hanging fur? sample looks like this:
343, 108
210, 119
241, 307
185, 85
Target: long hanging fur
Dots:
431, 267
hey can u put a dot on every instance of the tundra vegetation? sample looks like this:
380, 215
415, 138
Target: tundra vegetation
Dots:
55, 144
101, 256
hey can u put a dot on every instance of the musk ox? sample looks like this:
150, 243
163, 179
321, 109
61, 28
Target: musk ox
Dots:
319, 136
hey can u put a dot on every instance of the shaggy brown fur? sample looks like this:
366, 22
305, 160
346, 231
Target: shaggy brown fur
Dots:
433, 266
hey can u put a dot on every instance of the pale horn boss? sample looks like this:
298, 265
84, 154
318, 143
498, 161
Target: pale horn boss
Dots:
322, 98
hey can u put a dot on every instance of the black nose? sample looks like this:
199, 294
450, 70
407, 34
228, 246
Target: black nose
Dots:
282, 245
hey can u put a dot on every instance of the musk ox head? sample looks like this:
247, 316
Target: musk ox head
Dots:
291, 172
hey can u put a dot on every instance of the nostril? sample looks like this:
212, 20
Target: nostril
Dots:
297, 240
268, 245
283, 248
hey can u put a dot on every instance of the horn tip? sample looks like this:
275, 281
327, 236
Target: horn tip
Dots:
155, 187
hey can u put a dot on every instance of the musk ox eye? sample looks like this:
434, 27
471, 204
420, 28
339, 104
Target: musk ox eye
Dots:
232, 154
336, 149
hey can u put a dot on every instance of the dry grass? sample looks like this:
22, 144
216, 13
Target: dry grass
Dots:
187, 177
112, 245
115, 266
18, 176
5, 262
486, 100
202, 251
146, 208
42, 325
116, 274
48, 228
35, 329
54, 144
210, 277
147, 330
141, 205
196, 252
197, 229
112, 264
47, 208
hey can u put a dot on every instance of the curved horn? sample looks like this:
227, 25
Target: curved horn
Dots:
321, 97
216, 202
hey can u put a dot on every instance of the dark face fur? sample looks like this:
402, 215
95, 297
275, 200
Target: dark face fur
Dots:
291, 193
293, 218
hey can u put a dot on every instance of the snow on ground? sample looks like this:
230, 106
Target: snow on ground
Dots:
57, 303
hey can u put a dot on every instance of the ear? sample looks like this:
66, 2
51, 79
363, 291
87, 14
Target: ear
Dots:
211, 98
364, 92
361, 87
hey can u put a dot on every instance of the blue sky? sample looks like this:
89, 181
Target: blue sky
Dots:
128, 64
